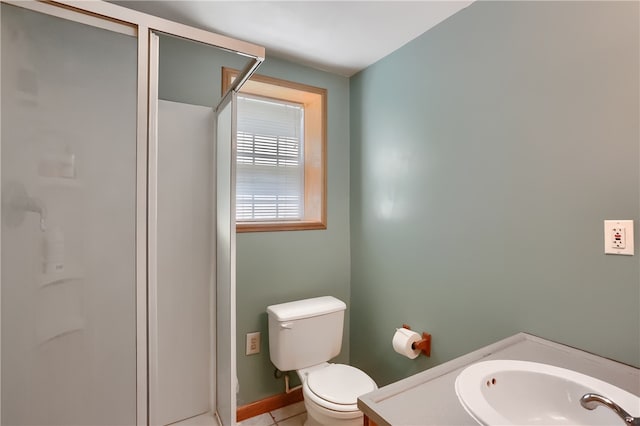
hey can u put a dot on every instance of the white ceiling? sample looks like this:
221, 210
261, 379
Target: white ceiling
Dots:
343, 37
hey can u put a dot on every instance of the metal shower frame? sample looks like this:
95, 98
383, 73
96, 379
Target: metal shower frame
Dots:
140, 25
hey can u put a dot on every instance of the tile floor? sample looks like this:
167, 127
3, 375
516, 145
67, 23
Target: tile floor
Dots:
291, 415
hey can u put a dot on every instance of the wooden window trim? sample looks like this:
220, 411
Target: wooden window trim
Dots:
314, 100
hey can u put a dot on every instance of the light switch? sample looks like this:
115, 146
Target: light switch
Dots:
618, 237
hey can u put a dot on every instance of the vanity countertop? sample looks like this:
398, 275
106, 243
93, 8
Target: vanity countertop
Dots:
429, 397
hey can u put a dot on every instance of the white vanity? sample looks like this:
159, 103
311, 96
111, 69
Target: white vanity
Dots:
429, 397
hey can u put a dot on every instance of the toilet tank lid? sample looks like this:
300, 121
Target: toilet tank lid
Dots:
306, 308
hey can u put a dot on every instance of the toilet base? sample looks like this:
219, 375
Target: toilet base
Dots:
320, 416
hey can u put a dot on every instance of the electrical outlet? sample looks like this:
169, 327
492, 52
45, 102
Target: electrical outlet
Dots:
253, 343
618, 237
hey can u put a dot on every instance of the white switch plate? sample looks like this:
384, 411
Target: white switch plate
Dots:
618, 237
253, 343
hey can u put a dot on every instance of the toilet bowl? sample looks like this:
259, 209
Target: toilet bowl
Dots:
303, 336
331, 394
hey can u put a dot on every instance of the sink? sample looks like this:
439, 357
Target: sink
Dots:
508, 392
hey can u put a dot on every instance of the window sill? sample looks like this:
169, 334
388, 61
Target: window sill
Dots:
279, 226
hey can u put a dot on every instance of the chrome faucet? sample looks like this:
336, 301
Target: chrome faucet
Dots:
591, 400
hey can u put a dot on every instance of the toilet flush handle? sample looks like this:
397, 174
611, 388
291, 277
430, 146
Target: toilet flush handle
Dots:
286, 325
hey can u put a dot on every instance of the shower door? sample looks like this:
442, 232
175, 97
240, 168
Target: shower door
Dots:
191, 233
113, 308
225, 161
69, 197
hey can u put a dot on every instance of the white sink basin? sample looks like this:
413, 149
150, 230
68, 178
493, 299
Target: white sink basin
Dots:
506, 392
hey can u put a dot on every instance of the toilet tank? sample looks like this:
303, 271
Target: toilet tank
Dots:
305, 332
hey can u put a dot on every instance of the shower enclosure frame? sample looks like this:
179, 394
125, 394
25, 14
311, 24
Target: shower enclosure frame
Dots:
143, 26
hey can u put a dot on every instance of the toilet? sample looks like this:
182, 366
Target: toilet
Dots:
303, 336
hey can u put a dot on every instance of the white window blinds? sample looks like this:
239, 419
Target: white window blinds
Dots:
270, 172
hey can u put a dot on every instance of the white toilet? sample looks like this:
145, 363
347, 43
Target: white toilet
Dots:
303, 336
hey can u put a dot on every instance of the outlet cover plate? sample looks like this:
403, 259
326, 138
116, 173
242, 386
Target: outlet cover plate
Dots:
253, 343
610, 228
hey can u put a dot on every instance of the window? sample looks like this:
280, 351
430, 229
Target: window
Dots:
280, 174
270, 160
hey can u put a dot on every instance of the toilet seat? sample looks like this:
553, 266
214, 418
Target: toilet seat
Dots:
337, 387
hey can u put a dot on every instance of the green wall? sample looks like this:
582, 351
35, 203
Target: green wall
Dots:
191, 72
275, 267
485, 156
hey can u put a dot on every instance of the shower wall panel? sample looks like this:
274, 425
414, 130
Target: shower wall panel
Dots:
185, 189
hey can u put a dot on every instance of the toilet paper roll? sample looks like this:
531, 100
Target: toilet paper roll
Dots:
402, 341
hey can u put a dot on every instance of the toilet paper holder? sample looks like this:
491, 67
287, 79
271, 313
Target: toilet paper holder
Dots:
424, 344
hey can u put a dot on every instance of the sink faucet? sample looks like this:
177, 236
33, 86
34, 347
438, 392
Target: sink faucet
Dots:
591, 400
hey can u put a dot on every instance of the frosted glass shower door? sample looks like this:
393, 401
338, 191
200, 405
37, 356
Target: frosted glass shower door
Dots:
68, 175
226, 260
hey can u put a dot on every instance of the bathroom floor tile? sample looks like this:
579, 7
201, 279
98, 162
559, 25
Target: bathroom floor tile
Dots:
264, 419
288, 411
294, 421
